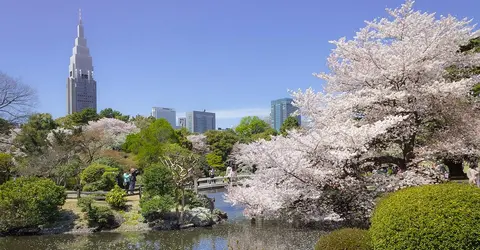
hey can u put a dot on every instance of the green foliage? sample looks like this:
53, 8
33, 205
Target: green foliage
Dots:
456, 73
116, 198
98, 177
85, 203
150, 143
345, 239
107, 161
29, 202
290, 123
153, 207
5, 127
142, 122
110, 113
98, 216
6, 165
83, 117
34, 133
158, 180
221, 142
472, 46
250, 126
101, 216
182, 134
443, 216
215, 161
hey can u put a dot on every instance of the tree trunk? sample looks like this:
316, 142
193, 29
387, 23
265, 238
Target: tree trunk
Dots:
183, 205
176, 208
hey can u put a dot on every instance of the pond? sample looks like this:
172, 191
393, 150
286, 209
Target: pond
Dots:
237, 232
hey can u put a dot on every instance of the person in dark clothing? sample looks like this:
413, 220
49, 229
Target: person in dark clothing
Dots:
133, 179
119, 179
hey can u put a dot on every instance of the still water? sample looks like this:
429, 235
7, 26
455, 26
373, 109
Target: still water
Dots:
237, 233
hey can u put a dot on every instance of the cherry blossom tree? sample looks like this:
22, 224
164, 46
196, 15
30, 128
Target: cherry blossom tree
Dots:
386, 100
113, 130
199, 143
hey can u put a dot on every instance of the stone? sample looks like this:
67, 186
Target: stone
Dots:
199, 216
185, 226
219, 213
160, 225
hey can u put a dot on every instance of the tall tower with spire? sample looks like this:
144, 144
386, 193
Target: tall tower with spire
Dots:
81, 85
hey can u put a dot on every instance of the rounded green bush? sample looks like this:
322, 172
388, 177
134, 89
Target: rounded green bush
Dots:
116, 198
98, 177
29, 202
345, 239
152, 207
443, 216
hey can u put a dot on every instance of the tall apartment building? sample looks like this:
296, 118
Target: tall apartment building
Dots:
280, 110
81, 86
182, 122
167, 113
200, 121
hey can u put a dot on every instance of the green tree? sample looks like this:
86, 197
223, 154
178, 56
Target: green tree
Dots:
215, 161
6, 165
221, 143
182, 134
32, 138
142, 121
185, 166
252, 128
158, 181
150, 142
289, 124
84, 116
110, 113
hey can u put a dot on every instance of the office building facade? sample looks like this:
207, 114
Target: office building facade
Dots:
182, 122
81, 85
280, 110
166, 113
200, 121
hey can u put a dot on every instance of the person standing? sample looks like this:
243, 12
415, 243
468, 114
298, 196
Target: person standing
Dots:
212, 175
133, 179
229, 174
126, 180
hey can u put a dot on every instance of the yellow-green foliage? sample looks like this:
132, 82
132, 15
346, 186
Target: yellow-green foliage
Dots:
116, 198
443, 216
345, 239
29, 202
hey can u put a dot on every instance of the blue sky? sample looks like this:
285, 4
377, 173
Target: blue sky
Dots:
232, 57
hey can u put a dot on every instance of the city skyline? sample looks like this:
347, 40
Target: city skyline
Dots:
225, 57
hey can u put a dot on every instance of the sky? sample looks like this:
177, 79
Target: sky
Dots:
230, 57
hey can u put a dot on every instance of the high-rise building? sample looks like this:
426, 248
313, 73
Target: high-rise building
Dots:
280, 110
167, 113
81, 86
182, 122
200, 121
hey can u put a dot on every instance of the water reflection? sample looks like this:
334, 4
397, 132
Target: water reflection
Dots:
238, 233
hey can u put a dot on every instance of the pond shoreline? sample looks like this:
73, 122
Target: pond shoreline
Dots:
73, 221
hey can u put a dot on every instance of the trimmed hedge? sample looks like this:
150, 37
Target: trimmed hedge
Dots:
28, 203
98, 177
443, 216
345, 239
116, 198
152, 208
